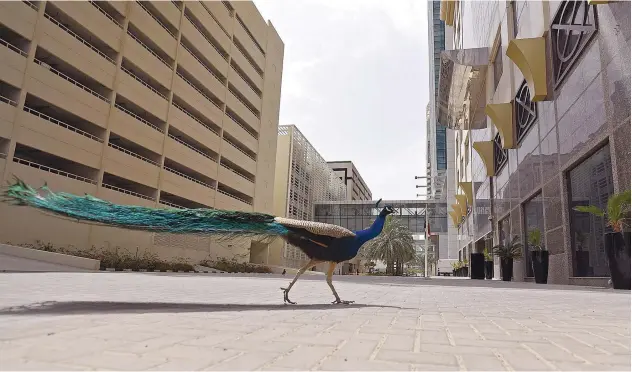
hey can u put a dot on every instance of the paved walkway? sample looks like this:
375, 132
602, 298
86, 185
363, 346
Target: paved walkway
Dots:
141, 321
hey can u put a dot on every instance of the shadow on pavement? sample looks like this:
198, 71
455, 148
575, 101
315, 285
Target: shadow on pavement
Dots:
96, 307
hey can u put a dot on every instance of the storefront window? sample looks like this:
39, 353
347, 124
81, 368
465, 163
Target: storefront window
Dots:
590, 183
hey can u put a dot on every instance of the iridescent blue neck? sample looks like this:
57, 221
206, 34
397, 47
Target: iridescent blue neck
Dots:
365, 235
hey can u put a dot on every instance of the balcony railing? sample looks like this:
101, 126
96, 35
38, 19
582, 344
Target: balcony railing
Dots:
53, 170
237, 173
63, 27
143, 82
248, 130
132, 154
203, 64
171, 205
13, 48
94, 4
207, 39
198, 90
8, 100
234, 197
128, 192
188, 177
216, 21
62, 124
31, 4
191, 147
71, 80
246, 81
194, 118
128, 112
148, 48
156, 19
256, 114
239, 149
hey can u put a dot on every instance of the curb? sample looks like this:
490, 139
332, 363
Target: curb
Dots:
109, 269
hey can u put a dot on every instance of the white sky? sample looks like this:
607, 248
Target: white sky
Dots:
355, 82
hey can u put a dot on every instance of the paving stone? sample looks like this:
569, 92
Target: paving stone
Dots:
483, 362
350, 364
244, 362
416, 358
118, 361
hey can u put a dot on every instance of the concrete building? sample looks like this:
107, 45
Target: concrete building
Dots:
541, 126
348, 173
440, 184
302, 178
159, 104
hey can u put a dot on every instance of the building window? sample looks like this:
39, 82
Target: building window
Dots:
526, 111
574, 26
590, 183
533, 220
500, 155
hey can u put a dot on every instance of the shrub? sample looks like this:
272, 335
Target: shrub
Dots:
232, 266
119, 258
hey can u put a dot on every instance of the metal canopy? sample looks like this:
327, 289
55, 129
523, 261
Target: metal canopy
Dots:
461, 99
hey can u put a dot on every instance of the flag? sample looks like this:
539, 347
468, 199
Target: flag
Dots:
428, 234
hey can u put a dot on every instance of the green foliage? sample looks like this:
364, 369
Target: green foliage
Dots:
394, 244
488, 256
119, 258
512, 250
535, 240
617, 210
233, 266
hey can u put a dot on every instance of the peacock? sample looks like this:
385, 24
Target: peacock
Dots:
321, 242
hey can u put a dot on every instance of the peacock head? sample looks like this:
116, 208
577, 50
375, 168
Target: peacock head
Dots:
386, 210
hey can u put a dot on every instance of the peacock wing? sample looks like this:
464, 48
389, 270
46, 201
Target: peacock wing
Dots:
315, 228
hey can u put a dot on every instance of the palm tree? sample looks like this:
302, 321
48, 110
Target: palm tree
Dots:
394, 245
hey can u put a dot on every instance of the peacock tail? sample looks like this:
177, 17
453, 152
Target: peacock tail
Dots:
220, 224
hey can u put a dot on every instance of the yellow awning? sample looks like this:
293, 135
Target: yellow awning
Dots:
455, 218
458, 210
467, 189
530, 57
501, 115
462, 200
485, 150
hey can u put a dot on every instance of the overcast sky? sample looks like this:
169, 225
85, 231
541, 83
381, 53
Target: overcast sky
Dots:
355, 82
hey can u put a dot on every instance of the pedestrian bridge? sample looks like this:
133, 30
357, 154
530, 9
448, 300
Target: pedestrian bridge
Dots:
359, 214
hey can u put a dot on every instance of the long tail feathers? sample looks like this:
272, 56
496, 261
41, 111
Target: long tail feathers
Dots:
211, 222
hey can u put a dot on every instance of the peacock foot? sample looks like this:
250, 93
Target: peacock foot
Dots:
286, 299
339, 301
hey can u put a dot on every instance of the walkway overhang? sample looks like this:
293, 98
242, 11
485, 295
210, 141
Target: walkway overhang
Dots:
462, 96
467, 189
501, 115
530, 57
597, 2
485, 150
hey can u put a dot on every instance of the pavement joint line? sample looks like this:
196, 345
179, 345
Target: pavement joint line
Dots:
449, 335
499, 327
378, 347
567, 350
587, 344
328, 356
502, 360
611, 341
460, 362
552, 366
478, 333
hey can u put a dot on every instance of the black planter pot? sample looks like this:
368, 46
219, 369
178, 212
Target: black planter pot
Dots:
453, 272
477, 262
618, 252
489, 269
540, 263
506, 267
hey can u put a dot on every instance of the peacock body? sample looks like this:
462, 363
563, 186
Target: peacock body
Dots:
321, 242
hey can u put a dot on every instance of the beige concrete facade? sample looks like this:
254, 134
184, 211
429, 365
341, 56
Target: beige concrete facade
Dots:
302, 178
357, 189
159, 104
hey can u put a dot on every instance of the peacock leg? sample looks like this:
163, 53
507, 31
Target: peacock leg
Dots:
286, 291
330, 273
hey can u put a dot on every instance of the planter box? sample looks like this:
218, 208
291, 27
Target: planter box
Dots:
477, 262
506, 267
540, 264
489, 270
618, 252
